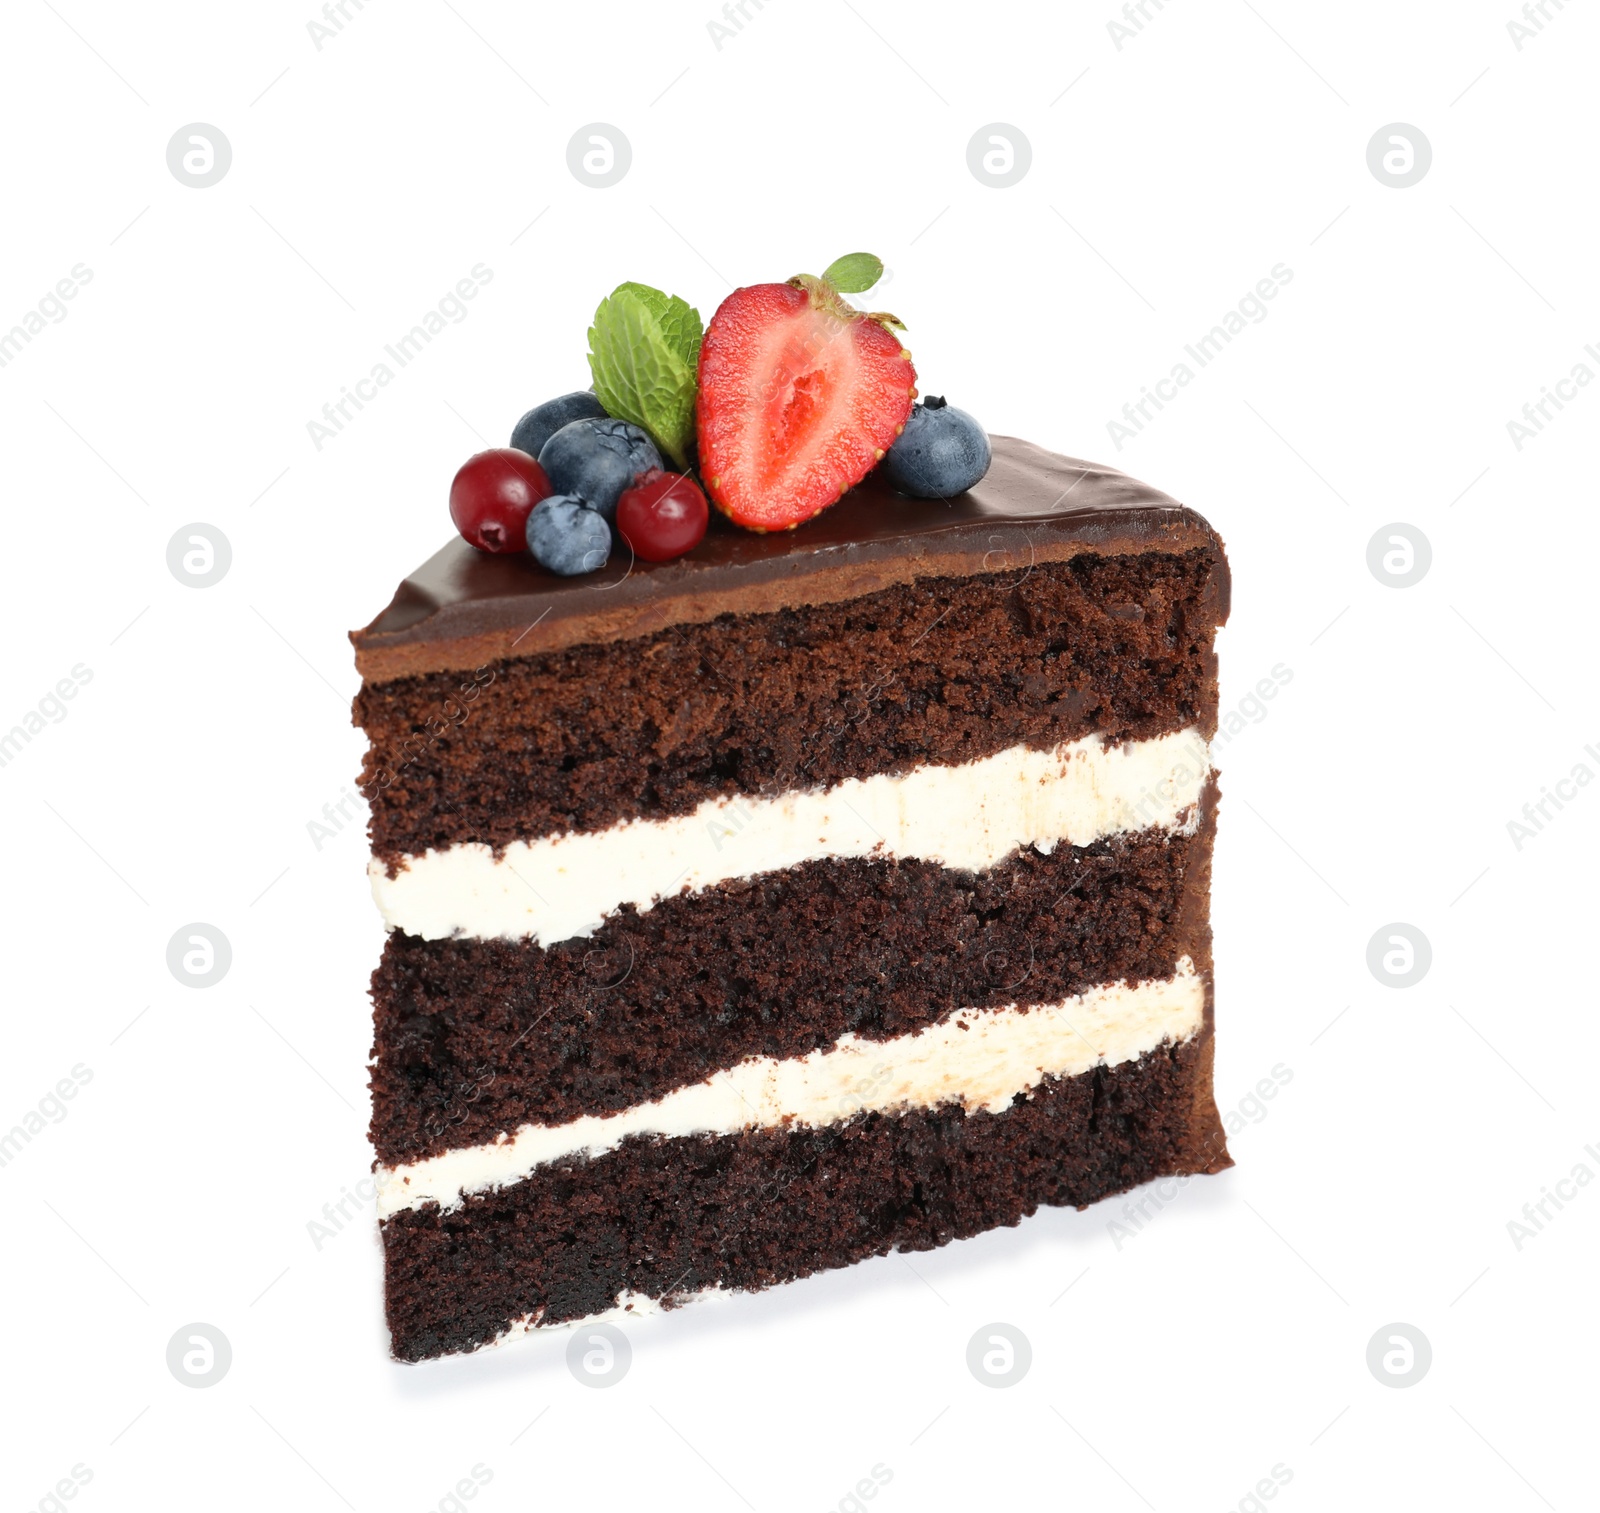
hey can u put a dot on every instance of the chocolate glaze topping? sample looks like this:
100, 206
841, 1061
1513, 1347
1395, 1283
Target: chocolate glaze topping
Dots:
463, 608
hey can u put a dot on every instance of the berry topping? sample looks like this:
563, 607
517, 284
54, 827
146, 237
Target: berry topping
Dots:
942, 453
543, 421
568, 537
800, 394
596, 460
492, 495
662, 516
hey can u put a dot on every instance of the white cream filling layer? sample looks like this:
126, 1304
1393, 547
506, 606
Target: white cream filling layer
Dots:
967, 817
979, 1058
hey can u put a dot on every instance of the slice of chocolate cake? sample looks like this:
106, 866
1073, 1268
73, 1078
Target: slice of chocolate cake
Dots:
815, 895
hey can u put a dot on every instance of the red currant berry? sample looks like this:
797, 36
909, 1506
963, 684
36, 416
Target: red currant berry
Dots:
662, 516
492, 495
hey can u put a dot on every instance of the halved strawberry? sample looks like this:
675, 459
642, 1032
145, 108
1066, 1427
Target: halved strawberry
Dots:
800, 395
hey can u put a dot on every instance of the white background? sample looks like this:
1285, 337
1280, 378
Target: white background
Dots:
1167, 177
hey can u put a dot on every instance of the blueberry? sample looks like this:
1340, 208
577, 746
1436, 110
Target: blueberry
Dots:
543, 421
942, 452
597, 460
568, 537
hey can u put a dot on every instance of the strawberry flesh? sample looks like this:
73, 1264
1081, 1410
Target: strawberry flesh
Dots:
800, 395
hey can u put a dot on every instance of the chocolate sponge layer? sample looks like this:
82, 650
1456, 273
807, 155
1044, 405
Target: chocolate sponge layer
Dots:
667, 1217
943, 670
476, 1037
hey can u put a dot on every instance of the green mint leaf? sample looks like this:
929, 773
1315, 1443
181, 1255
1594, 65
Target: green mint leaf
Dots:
682, 329
678, 319
854, 273
640, 374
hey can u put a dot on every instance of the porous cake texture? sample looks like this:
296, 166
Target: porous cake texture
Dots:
814, 896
